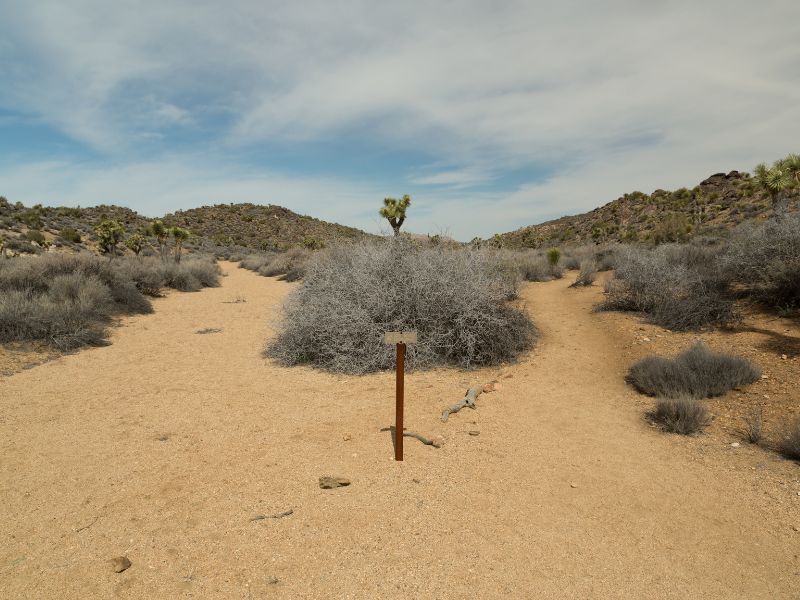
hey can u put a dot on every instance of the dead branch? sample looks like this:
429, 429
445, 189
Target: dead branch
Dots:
467, 401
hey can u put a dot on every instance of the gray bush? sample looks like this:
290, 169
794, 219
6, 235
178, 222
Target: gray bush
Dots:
696, 373
455, 299
678, 287
766, 259
789, 444
68, 300
587, 274
681, 415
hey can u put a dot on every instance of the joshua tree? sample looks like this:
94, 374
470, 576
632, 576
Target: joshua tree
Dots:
773, 179
109, 233
180, 236
160, 232
135, 243
791, 166
394, 211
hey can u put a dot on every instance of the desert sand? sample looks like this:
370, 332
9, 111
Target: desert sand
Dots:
164, 445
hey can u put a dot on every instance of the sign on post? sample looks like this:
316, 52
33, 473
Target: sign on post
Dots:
400, 339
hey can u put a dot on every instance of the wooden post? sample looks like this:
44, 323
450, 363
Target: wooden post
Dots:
398, 424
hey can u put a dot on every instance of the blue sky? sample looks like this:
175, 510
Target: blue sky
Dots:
491, 115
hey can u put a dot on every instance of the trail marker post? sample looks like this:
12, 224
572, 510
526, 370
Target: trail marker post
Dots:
401, 339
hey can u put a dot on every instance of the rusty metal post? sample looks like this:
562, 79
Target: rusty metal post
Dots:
398, 424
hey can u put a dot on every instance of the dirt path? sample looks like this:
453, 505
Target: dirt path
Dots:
165, 444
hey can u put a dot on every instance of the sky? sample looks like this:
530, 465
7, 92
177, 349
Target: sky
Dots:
491, 115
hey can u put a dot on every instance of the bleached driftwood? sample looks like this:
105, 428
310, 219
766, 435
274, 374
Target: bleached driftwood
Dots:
467, 401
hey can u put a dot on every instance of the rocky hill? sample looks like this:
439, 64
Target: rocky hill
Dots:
715, 206
261, 227
30, 229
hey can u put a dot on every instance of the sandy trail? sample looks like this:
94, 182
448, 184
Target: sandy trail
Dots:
165, 444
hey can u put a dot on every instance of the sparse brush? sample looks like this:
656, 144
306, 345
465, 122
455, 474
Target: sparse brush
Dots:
67, 300
754, 424
696, 373
455, 299
678, 287
681, 415
766, 259
587, 274
789, 445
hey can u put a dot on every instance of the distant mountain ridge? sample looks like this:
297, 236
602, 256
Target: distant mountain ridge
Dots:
716, 205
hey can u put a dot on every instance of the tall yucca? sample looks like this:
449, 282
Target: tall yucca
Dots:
394, 211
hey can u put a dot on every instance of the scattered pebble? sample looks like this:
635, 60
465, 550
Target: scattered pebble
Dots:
473, 432
415, 480
765, 377
279, 515
784, 357
328, 482
645, 339
347, 437
735, 445
573, 485
120, 564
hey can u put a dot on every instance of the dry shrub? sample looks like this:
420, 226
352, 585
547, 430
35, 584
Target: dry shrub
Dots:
587, 274
754, 425
533, 265
289, 265
681, 415
68, 300
678, 287
696, 373
455, 299
766, 258
789, 445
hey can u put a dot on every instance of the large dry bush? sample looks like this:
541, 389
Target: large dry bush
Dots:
68, 300
695, 373
456, 299
680, 287
766, 259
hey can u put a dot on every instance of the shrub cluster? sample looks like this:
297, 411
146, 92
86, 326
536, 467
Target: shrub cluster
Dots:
68, 300
457, 300
289, 265
695, 373
789, 445
683, 287
678, 287
766, 259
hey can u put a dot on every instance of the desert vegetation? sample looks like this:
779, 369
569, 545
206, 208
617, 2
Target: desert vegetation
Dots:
458, 301
696, 373
68, 301
689, 286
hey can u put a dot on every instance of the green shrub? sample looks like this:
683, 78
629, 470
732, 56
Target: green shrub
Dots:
70, 235
35, 236
553, 256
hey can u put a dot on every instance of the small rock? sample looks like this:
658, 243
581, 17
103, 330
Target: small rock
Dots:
735, 445
573, 485
120, 563
347, 437
328, 482
645, 339
437, 442
473, 432
415, 480
796, 527
765, 377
